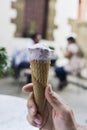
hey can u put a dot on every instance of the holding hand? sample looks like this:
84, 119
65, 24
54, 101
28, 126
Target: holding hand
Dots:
57, 114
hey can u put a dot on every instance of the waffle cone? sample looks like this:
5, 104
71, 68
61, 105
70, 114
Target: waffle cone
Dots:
39, 71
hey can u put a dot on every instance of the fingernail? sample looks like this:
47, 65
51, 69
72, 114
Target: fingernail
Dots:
38, 120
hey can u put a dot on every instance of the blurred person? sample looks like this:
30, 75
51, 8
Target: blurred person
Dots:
21, 57
57, 114
75, 62
54, 57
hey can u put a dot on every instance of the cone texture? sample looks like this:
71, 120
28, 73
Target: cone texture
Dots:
39, 71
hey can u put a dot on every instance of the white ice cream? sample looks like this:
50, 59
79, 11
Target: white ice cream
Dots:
40, 52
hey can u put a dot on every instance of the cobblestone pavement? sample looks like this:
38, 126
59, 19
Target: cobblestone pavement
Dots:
73, 95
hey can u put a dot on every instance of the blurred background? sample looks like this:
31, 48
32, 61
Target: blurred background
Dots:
55, 20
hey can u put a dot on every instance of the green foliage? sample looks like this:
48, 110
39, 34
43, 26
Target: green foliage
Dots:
3, 60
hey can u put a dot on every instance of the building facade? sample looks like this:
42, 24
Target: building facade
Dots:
79, 26
33, 16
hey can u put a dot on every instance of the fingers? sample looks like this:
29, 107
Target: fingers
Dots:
35, 121
54, 100
32, 109
30, 120
28, 88
33, 117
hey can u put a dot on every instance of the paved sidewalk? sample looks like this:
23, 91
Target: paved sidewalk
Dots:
9, 86
73, 95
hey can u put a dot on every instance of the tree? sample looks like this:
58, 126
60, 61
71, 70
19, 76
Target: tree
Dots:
3, 61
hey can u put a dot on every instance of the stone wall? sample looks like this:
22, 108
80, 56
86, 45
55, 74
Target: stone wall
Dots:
33, 16
19, 6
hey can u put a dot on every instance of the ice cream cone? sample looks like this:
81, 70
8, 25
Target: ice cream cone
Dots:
40, 62
39, 71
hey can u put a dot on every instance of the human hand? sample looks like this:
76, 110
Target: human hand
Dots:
57, 114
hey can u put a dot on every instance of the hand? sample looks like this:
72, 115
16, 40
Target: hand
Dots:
57, 114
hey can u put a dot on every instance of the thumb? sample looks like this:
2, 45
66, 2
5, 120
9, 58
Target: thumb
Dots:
28, 88
52, 98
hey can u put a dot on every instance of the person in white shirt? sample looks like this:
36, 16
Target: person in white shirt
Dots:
21, 58
73, 54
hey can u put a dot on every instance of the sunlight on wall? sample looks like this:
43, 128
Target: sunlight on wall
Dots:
6, 28
65, 9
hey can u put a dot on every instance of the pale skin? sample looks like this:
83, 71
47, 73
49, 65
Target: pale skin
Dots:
57, 114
